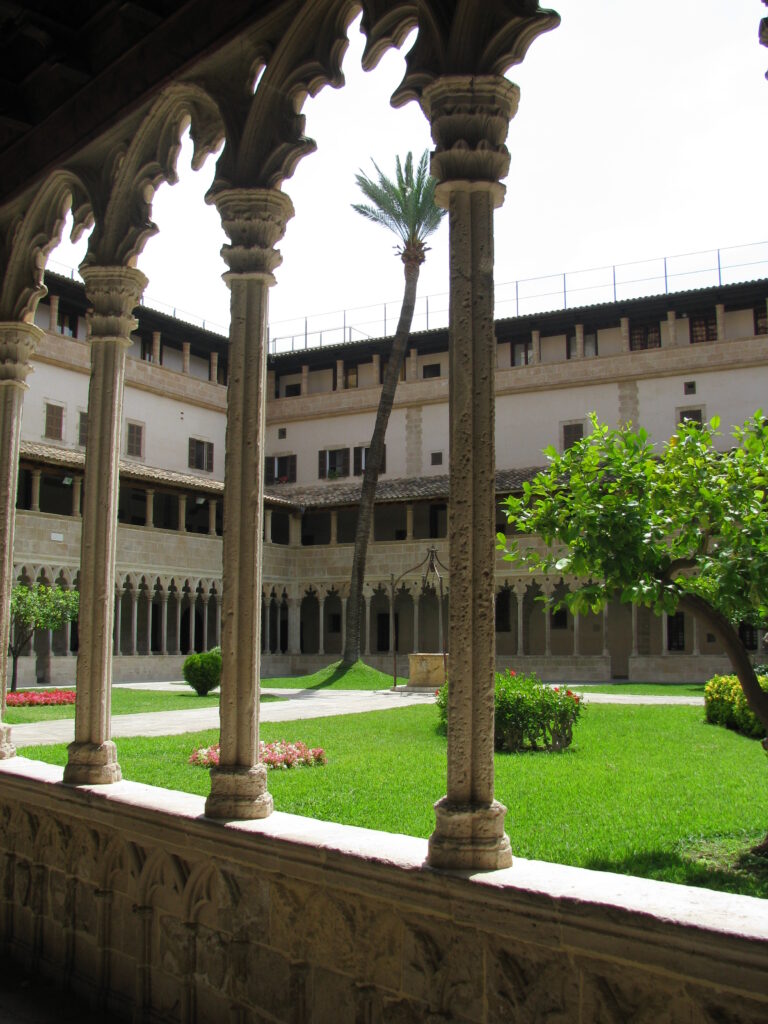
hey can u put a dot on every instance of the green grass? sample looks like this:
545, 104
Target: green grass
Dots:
643, 689
650, 791
357, 677
124, 702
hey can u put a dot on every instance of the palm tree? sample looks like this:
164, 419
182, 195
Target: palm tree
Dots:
407, 207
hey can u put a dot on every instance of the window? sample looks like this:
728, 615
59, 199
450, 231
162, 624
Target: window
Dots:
572, 432
350, 377
748, 634
82, 429
761, 318
201, 455
430, 370
703, 328
643, 336
521, 353
691, 416
590, 346
358, 467
134, 440
676, 632
333, 463
689, 387
280, 469
292, 390
54, 421
436, 458
282, 433
383, 370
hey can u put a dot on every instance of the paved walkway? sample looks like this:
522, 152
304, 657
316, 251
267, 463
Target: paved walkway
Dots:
298, 704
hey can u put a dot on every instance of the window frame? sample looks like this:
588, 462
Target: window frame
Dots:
206, 447
60, 408
359, 458
133, 425
644, 336
272, 474
564, 426
324, 468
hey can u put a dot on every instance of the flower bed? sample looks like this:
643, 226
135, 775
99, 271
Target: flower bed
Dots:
40, 698
278, 754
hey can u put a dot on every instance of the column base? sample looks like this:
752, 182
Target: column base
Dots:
7, 749
92, 764
469, 837
239, 793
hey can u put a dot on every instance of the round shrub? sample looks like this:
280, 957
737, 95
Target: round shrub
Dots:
528, 714
203, 671
725, 704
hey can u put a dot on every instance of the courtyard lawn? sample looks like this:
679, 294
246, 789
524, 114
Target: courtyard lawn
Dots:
124, 702
357, 677
643, 689
650, 791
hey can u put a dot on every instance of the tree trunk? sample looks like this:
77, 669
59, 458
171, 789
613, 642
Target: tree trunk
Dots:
757, 698
373, 465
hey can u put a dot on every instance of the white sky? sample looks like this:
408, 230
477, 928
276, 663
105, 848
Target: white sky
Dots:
641, 132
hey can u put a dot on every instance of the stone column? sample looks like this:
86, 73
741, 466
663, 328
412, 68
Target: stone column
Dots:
469, 119
213, 369
321, 641
305, 379
664, 634
720, 314
117, 646
164, 622
391, 645
267, 525
77, 493
178, 596
294, 530
17, 344
416, 603
579, 341
520, 589
149, 509
53, 301
212, 517
113, 292
206, 599
35, 498
409, 522
339, 374
191, 623
156, 347
186, 349
535, 347
334, 526
294, 625
134, 621
624, 324
217, 621
634, 631
547, 609
412, 370
182, 513
672, 327
255, 220
376, 360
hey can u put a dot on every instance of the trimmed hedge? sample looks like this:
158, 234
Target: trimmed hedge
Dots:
725, 704
528, 715
203, 671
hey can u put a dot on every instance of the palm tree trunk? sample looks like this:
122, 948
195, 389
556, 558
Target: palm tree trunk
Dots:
373, 465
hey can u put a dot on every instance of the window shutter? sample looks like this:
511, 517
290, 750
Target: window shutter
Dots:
321, 463
191, 453
292, 469
344, 462
358, 462
209, 467
269, 470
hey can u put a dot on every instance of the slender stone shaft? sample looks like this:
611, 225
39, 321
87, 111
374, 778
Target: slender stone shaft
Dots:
114, 292
470, 118
17, 344
254, 220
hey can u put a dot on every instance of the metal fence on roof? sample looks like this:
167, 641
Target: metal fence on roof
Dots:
611, 283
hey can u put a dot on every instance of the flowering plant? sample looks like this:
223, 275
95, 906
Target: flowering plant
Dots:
278, 754
40, 698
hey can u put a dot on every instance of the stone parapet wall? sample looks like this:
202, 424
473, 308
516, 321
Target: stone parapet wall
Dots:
679, 668
128, 894
560, 668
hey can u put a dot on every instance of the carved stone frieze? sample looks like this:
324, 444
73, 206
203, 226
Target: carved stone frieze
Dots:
442, 968
525, 986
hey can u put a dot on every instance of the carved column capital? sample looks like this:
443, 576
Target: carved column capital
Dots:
255, 220
469, 117
114, 293
18, 342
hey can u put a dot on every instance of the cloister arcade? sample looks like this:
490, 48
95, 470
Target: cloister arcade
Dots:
191, 911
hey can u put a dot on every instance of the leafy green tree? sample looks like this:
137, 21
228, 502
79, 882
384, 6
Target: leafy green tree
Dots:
407, 207
681, 528
37, 607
